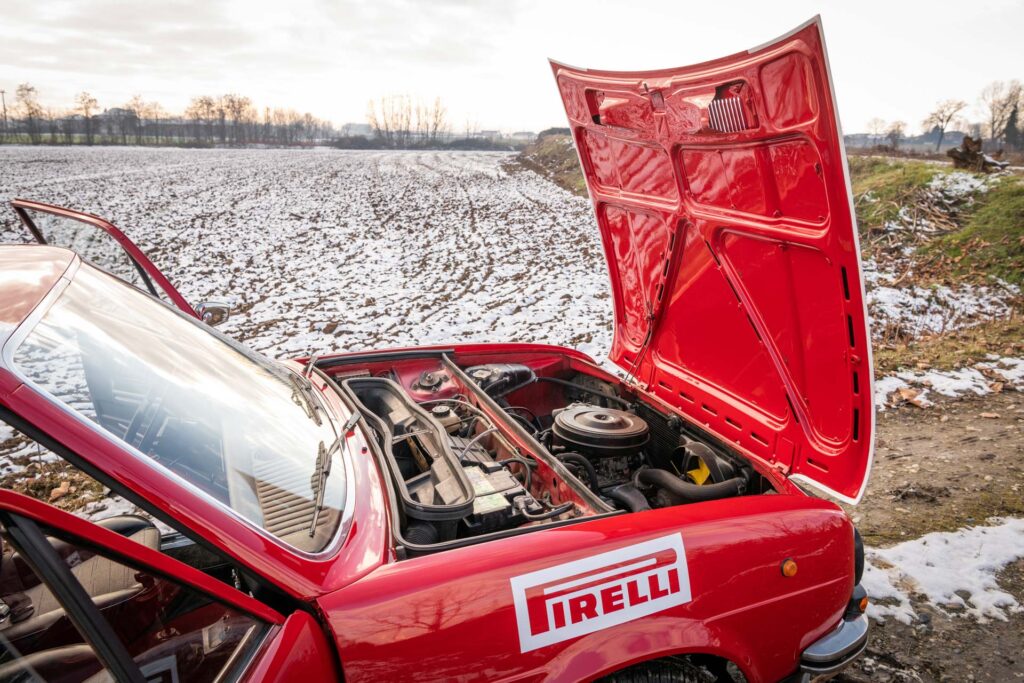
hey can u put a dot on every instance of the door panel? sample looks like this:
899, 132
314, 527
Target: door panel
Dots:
168, 621
101, 243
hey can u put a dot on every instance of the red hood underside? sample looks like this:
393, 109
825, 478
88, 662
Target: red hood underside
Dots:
724, 206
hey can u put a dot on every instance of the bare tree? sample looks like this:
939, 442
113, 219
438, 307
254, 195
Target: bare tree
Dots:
27, 102
201, 110
154, 111
240, 110
997, 101
876, 128
137, 106
87, 104
438, 121
381, 120
895, 134
942, 116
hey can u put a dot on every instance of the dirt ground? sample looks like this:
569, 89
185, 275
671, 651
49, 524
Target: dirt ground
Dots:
937, 469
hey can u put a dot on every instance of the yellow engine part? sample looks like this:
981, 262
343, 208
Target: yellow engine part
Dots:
700, 474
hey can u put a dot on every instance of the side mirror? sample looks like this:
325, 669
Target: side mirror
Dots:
213, 313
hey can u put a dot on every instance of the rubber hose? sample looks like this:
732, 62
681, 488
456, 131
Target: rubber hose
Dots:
629, 496
687, 492
566, 383
549, 514
582, 461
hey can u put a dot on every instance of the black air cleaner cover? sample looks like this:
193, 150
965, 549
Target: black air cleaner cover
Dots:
599, 432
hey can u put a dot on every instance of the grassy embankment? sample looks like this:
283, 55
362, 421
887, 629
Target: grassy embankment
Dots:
978, 238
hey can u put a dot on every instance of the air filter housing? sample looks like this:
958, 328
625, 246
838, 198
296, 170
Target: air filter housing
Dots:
599, 432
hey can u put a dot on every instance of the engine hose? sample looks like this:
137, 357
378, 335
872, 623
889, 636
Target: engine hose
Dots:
566, 383
687, 492
553, 512
580, 460
527, 474
472, 442
629, 496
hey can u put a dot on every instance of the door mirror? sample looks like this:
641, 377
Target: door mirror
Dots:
213, 313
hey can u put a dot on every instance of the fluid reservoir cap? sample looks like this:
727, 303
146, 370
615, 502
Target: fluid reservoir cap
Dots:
440, 411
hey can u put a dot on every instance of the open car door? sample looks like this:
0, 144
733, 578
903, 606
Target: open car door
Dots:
101, 243
88, 602
723, 202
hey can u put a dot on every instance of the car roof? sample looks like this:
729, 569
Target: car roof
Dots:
27, 273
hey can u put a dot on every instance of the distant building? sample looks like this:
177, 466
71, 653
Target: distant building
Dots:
354, 129
524, 135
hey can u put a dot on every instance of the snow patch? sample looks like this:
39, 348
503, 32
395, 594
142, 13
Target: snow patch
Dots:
917, 311
977, 380
954, 571
959, 185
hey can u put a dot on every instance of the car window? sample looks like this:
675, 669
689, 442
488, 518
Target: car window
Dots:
229, 422
171, 631
37, 640
93, 245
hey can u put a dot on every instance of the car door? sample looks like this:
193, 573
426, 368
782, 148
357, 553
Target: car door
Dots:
100, 242
83, 602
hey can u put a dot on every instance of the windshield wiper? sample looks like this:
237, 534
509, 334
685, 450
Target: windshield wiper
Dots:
324, 456
303, 396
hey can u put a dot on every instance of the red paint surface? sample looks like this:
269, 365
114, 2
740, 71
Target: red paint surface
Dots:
721, 193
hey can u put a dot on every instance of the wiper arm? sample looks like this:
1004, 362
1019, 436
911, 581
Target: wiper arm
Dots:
303, 396
323, 468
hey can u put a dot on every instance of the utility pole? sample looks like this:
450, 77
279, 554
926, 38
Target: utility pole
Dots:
3, 100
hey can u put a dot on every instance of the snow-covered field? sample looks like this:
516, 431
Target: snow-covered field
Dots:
325, 250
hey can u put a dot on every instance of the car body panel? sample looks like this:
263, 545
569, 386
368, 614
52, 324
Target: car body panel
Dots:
401, 619
299, 653
722, 197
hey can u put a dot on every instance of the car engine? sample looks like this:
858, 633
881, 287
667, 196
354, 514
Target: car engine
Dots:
498, 448
617, 453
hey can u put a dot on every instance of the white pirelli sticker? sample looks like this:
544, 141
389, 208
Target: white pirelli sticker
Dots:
600, 591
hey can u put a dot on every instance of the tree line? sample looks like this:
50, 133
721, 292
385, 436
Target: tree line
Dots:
997, 120
393, 122
229, 119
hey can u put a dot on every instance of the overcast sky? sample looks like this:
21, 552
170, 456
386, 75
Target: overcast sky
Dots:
486, 60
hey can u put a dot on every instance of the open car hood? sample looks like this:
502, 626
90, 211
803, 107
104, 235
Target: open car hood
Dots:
724, 206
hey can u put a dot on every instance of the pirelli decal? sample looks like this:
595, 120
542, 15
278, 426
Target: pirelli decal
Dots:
597, 592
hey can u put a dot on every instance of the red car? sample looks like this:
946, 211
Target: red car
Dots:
483, 511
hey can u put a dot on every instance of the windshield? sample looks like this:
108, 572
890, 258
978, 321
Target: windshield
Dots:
243, 429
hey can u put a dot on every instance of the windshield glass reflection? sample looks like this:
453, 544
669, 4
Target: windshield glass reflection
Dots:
220, 416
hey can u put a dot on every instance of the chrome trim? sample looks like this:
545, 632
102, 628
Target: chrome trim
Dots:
840, 645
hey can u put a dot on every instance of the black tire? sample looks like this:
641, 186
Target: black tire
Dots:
674, 670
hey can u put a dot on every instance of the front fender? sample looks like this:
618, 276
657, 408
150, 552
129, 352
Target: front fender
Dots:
452, 615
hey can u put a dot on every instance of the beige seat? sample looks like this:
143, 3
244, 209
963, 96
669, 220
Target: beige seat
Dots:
107, 582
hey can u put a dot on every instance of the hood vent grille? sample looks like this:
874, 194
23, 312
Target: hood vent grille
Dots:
726, 115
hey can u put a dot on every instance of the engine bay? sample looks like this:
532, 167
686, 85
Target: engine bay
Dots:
478, 449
